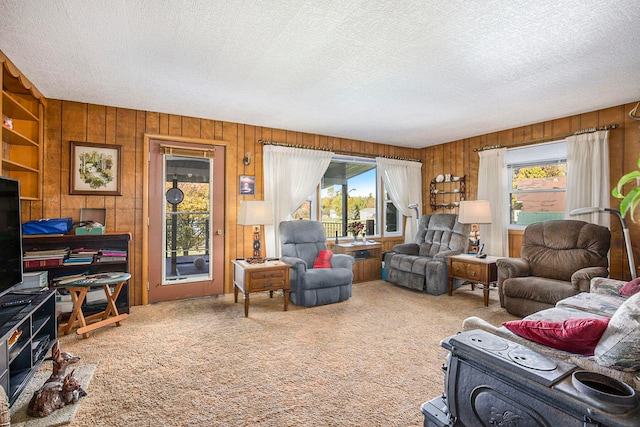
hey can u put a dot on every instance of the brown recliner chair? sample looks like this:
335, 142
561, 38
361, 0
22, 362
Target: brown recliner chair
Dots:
558, 260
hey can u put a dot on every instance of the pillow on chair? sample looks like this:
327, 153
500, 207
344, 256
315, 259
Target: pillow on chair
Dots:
323, 260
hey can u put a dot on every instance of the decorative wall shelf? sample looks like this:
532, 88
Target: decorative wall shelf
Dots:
447, 194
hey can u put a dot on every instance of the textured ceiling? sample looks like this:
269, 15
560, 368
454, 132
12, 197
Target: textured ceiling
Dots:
409, 73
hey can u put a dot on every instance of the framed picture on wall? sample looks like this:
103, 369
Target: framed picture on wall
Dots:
247, 185
96, 169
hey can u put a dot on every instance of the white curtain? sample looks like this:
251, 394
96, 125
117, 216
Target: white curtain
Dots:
290, 176
493, 186
403, 182
588, 176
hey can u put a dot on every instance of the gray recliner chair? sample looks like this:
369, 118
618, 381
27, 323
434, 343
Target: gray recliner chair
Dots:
301, 242
558, 259
422, 265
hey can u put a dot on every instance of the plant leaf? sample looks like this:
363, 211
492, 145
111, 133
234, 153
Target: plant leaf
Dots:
631, 176
634, 199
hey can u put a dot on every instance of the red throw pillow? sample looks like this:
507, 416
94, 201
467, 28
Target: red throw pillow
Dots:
323, 260
630, 288
578, 336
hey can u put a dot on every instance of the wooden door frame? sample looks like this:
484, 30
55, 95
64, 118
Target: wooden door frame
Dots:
145, 206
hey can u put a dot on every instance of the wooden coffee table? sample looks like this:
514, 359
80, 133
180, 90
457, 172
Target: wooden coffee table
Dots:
267, 276
482, 271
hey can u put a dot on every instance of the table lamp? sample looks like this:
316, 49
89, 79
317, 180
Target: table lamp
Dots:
475, 212
256, 213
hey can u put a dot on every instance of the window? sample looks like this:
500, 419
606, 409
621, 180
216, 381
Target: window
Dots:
305, 210
392, 218
188, 214
537, 182
349, 191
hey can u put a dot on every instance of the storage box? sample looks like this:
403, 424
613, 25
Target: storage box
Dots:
98, 215
63, 303
81, 231
34, 279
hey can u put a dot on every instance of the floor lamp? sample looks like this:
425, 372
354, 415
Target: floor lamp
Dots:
414, 206
625, 232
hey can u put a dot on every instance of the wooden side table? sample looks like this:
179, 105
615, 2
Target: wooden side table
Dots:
267, 276
78, 291
473, 269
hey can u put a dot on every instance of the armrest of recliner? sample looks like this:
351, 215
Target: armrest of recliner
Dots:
509, 268
512, 267
298, 263
342, 261
442, 255
407, 249
581, 279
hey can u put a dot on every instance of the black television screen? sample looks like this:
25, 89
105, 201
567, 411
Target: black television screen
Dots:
10, 235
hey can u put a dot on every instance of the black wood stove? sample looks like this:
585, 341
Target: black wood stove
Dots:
491, 381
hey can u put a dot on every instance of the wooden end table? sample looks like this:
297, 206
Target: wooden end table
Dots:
475, 270
78, 291
267, 276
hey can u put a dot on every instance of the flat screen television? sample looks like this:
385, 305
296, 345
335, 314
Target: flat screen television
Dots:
10, 235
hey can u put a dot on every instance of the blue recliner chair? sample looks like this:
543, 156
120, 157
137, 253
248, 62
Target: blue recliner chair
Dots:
301, 242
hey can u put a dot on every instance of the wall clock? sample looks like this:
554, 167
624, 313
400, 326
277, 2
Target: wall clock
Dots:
174, 196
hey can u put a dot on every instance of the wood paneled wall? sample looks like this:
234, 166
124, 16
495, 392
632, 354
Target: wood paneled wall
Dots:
458, 158
71, 121
67, 121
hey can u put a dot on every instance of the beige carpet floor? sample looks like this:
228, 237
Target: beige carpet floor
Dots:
371, 360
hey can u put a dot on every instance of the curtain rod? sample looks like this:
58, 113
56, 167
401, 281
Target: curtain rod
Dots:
351, 153
548, 138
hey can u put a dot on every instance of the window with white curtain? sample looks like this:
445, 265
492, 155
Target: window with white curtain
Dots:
537, 182
351, 191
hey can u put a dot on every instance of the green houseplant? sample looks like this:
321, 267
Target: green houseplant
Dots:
632, 198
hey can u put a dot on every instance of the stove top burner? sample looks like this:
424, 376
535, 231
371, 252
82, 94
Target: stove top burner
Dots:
532, 360
488, 342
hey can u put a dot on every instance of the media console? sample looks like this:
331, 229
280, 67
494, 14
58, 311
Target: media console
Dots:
27, 333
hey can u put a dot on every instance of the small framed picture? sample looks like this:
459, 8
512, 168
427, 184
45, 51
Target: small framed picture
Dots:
96, 169
247, 185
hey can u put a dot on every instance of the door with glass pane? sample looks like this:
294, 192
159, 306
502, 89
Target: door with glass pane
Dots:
186, 220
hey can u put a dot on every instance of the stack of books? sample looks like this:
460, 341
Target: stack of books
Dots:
81, 256
44, 258
63, 280
111, 255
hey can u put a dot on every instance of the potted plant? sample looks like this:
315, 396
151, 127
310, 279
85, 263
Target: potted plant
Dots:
632, 198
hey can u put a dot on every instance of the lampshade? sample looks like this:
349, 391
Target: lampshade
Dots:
474, 212
255, 212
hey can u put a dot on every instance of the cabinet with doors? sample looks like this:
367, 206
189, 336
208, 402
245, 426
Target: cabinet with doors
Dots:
22, 111
367, 257
447, 193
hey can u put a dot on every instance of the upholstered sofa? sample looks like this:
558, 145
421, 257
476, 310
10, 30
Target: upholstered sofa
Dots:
616, 353
422, 265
